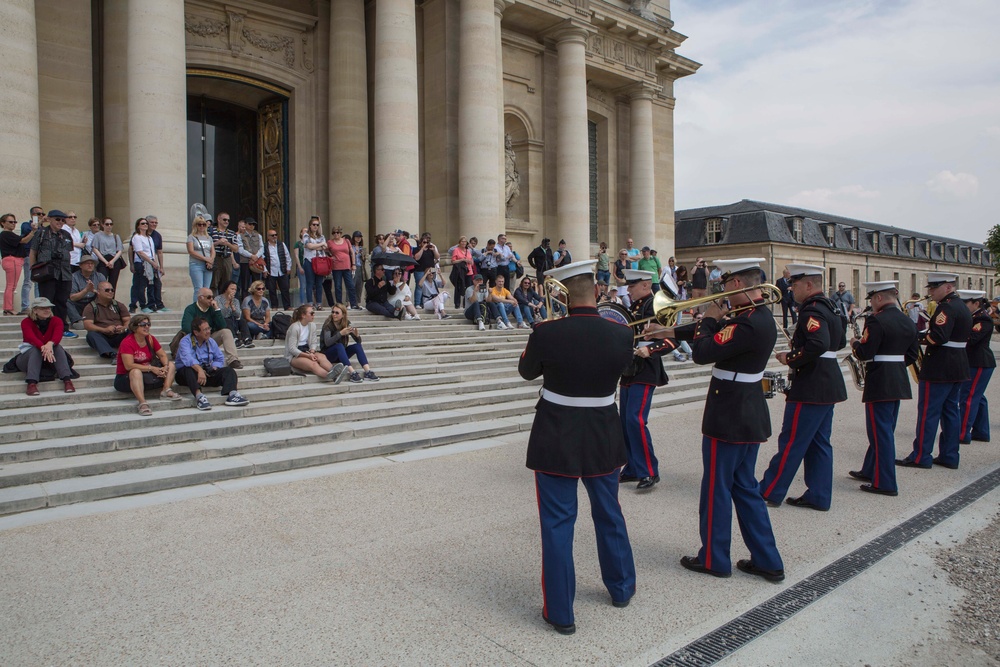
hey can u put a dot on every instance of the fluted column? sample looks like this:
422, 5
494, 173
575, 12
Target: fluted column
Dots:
499, 6
572, 149
479, 188
157, 117
642, 184
349, 116
397, 166
115, 131
20, 149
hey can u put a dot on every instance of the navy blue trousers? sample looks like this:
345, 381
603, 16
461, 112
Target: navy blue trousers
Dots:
557, 508
880, 459
729, 481
634, 401
936, 404
975, 407
804, 439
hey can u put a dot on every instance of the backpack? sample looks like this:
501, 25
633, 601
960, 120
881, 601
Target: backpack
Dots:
277, 367
279, 325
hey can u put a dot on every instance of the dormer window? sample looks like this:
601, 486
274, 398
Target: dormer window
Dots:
913, 247
875, 240
854, 238
894, 244
830, 232
713, 231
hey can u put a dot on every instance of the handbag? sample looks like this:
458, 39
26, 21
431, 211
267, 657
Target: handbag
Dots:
277, 367
257, 265
322, 265
42, 272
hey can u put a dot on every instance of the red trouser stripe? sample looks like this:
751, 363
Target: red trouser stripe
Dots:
871, 418
923, 422
644, 431
711, 503
538, 497
968, 404
788, 448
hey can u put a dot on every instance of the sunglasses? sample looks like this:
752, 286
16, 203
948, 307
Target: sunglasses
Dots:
71, 216
143, 324
107, 289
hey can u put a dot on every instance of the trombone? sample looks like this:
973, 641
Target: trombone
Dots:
666, 310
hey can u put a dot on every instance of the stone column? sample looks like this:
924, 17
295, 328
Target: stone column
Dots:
642, 184
499, 6
157, 120
397, 165
20, 149
479, 190
572, 149
115, 130
349, 117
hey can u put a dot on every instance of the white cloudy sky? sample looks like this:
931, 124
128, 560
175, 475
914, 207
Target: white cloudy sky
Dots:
887, 111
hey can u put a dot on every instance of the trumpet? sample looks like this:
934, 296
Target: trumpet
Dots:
666, 310
918, 364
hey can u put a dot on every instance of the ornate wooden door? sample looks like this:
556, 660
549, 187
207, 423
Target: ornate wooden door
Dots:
271, 126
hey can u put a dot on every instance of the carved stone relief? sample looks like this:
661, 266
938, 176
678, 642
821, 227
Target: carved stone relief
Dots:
243, 37
622, 52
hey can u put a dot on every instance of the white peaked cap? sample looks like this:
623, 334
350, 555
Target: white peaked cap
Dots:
800, 270
572, 270
635, 275
879, 286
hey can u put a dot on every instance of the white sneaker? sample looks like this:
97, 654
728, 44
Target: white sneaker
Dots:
525, 325
416, 317
501, 325
482, 326
408, 317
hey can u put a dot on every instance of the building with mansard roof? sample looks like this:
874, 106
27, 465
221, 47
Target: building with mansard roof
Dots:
458, 117
854, 251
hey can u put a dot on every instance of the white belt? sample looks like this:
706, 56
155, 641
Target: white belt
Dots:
953, 343
645, 343
578, 401
733, 376
828, 355
889, 357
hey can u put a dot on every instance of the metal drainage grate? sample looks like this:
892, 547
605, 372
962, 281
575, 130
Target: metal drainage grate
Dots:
735, 634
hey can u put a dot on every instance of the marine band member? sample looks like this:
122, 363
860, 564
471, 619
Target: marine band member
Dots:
577, 435
975, 410
945, 367
887, 346
817, 384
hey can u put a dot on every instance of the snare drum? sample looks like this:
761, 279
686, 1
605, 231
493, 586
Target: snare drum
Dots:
773, 383
615, 313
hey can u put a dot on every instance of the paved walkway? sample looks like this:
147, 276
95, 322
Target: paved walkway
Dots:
432, 558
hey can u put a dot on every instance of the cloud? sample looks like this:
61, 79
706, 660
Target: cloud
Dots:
850, 200
954, 186
993, 131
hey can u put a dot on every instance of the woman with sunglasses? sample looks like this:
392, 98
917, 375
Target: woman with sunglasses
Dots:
201, 256
336, 337
143, 364
257, 311
106, 247
402, 300
342, 252
42, 333
302, 347
314, 245
143, 266
11, 245
621, 285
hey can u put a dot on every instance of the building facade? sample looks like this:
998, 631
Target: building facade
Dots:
458, 117
854, 251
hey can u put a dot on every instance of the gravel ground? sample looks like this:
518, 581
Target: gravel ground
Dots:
975, 567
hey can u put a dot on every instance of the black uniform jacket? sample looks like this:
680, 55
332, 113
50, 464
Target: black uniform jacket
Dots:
890, 332
649, 370
978, 350
581, 356
735, 411
814, 378
952, 322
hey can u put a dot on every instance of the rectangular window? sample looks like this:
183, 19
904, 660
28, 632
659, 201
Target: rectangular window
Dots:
855, 281
833, 281
854, 238
913, 283
875, 240
894, 243
830, 232
913, 246
895, 276
878, 276
713, 230
797, 229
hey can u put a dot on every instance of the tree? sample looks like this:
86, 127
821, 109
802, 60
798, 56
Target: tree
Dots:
993, 245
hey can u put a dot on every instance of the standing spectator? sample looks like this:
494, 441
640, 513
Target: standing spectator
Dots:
621, 284
29, 229
106, 321
699, 279
787, 300
277, 262
461, 269
540, 259
201, 256
298, 258
683, 284
490, 262
155, 298
83, 288
504, 255
206, 308
715, 280
434, 295
917, 312
427, 257
107, 248
377, 293
360, 276
647, 262
93, 227
336, 337
232, 312
225, 246
143, 364
52, 247
562, 256
11, 244
477, 254
843, 300
257, 311
633, 254
200, 364
302, 348
42, 333
314, 245
342, 252
78, 242
603, 264
142, 261
251, 248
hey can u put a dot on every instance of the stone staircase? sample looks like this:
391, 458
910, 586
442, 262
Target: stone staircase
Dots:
442, 382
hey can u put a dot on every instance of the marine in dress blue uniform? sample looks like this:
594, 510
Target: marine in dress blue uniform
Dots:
945, 367
887, 346
975, 409
736, 420
637, 386
817, 384
577, 435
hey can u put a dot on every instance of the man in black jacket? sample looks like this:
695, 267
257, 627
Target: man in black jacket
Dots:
817, 384
377, 291
887, 346
972, 395
541, 260
787, 302
52, 246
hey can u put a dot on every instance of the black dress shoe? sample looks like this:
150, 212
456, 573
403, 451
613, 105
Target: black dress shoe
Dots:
857, 474
939, 462
692, 563
975, 439
965, 442
621, 604
625, 479
882, 492
772, 503
647, 482
802, 502
904, 463
747, 566
561, 629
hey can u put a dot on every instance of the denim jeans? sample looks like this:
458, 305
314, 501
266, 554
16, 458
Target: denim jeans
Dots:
200, 277
26, 286
529, 314
314, 285
339, 353
255, 329
503, 311
139, 287
418, 292
302, 287
345, 279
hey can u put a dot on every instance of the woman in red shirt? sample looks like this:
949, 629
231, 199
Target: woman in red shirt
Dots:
462, 269
342, 252
143, 363
43, 332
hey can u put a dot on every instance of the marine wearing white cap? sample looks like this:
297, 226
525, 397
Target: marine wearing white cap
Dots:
731, 267
937, 278
633, 276
802, 270
879, 286
970, 294
563, 273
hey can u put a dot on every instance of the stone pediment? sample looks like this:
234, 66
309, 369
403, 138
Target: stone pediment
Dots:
254, 31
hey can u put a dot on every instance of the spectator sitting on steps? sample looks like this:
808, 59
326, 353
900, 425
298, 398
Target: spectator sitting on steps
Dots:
505, 304
43, 332
200, 364
142, 364
106, 321
302, 347
83, 288
206, 307
378, 289
337, 347
433, 294
476, 297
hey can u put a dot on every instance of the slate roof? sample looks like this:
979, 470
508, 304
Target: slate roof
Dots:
749, 221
